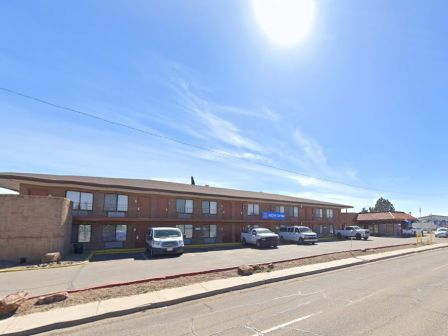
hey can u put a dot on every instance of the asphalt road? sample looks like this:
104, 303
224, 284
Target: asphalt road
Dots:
401, 296
38, 282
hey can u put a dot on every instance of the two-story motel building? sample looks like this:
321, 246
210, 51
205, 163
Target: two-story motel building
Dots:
117, 212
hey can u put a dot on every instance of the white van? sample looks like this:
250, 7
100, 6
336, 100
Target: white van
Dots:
297, 234
164, 240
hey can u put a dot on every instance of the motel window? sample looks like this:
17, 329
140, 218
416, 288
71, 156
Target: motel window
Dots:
184, 206
115, 202
279, 208
84, 233
114, 232
294, 211
81, 200
208, 231
209, 207
253, 209
187, 230
318, 213
330, 213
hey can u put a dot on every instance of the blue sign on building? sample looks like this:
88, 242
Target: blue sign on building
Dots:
273, 215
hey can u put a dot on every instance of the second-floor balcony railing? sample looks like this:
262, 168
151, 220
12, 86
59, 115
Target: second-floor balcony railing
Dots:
185, 210
103, 213
81, 213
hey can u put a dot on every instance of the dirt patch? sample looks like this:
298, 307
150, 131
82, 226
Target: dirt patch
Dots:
156, 285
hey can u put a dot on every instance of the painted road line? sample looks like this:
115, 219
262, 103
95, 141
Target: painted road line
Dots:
280, 326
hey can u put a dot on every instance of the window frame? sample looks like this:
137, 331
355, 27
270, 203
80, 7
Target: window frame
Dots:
327, 211
89, 233
207, 210
316, 216
294, 211
116, 204
184, 208
183, 229
279, 208
115, 233
253, 206
79, 203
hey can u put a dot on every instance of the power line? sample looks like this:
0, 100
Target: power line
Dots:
164, 137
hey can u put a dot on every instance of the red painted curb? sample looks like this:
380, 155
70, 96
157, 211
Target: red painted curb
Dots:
216, 270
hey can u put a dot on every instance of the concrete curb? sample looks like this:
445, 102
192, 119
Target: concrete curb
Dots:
197, 291
25, 268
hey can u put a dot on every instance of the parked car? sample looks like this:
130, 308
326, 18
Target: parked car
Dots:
297, 234
259, 237
353, 232
441, 232
164, 240
407, 229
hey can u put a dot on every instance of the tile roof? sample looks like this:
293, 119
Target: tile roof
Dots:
385, 216
13, 180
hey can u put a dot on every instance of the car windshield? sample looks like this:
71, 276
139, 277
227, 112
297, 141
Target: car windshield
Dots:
355, 227
166, 233
264, 231
305, 230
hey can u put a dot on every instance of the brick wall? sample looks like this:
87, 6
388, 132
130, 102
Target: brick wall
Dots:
31, 226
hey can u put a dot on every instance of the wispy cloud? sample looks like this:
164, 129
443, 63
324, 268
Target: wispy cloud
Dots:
216, 127
311, 150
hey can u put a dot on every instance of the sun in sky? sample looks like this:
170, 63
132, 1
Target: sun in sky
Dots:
285, 22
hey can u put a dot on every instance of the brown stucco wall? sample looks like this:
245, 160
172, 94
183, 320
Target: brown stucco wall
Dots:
31, 226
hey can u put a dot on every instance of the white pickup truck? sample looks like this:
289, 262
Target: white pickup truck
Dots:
297, 234
353, 232
411, 232
407, 229
259, 237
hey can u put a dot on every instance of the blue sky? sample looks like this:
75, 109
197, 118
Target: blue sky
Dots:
361, 100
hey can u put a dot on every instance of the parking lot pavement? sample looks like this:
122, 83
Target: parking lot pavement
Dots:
138, 266
394, 297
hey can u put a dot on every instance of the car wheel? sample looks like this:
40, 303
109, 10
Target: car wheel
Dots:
339, 236
365, 238
244, 242
258, 244
301, 241
358, 236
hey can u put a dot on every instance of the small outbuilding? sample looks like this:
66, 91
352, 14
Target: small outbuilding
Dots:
389, 223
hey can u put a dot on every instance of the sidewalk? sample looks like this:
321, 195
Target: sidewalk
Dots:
76, 315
